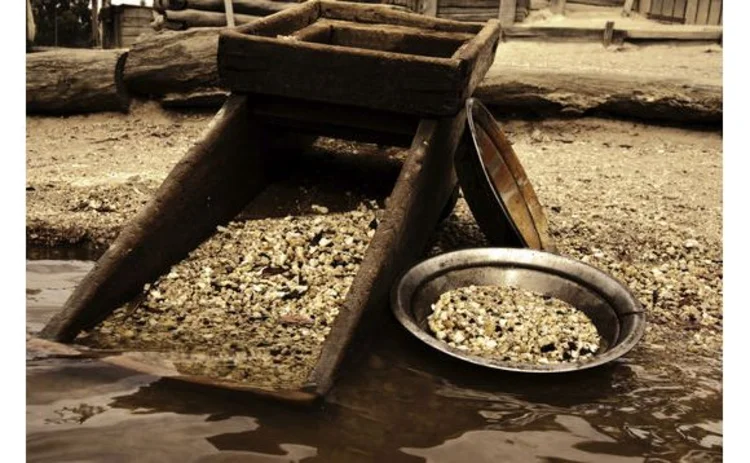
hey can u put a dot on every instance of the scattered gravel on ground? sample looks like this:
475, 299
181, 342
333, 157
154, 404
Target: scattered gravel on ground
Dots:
513, 325
254, 302
643, 203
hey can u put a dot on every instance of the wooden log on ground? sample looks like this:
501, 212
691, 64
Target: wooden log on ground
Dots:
173, 62
198, 18
65, 81
546, 93
252, 7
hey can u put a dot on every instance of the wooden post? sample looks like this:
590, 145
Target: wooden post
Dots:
644, 6
507, 12
430, 7
229, 10
628, 7
609, 29
95, 38
557, 6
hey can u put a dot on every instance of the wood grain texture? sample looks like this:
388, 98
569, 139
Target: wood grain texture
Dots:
310, 71
437, 62
198, 18
366, 13
423, 188
251, 7
173, 62
691, 11
545, 93
65, 81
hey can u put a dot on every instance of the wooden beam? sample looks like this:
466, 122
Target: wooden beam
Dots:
691, 11
644, 6
95, 38
557, 6
229, 12
609, 30
507, 12
628, 7
430, 8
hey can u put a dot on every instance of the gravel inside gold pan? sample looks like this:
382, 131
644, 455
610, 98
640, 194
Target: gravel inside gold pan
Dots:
513, 325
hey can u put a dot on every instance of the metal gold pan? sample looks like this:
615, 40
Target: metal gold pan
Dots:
496, 187
616, 313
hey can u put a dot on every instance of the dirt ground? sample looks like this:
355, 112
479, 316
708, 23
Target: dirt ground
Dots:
699, 64
639, 201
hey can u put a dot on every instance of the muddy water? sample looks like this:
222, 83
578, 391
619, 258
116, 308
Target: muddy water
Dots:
401, 402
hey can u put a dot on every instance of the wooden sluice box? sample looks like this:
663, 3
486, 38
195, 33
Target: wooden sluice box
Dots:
352, 71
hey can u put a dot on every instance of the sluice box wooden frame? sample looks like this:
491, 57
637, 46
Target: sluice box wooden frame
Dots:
283, 89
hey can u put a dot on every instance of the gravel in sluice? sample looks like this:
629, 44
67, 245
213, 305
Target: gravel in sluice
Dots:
252, 304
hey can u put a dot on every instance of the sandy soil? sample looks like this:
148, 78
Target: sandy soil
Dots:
642, 202
696, 63
86, 174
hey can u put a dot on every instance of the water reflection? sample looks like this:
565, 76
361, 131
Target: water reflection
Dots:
399, 402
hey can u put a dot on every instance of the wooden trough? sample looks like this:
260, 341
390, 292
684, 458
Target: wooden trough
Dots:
353, 81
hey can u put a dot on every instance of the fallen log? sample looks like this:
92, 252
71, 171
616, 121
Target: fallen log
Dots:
545, 93
253, 7
173, 62
65, 81
198, 18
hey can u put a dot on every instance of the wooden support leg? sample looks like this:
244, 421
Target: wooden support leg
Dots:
424, 186
209, 186
557, 6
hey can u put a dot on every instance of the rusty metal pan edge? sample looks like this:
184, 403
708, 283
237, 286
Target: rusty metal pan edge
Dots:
410, 281
472, 167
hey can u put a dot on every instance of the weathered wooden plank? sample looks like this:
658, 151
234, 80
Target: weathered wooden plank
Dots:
382, 14
284, 22
507, 12
691, 11
198, 18
471, 16
714, 13
644, 6
705, 35
627, 7
609, 29
557, 6
469, 4
425, 85
477, 55
667, 8
656, 7
397, 39
457, 11
431, 8
252, 7
426, 182
598, 2
346, 122
546, 32
679, 8
223, 170
701, 15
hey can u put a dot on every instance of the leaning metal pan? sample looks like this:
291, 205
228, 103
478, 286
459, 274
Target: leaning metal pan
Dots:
612, 308
496, 187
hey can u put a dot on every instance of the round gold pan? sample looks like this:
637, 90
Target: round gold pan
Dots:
496, 187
